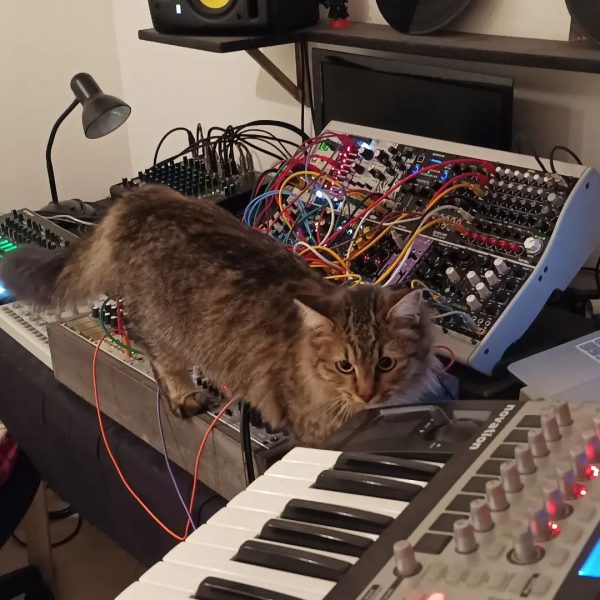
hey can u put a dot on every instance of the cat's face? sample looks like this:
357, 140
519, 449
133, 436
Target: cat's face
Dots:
367, 343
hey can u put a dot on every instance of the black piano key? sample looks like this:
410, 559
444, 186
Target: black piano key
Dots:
215, 588
366, 485
343, 517
313, 536
389, 466
291, 560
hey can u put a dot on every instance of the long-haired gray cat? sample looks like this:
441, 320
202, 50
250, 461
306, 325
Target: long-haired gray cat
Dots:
203, 289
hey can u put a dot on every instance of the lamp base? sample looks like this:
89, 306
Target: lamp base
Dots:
74, 208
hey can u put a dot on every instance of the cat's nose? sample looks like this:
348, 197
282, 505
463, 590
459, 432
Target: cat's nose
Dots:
366, 392
366, 397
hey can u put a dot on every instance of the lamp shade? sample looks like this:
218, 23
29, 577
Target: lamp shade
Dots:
102, 114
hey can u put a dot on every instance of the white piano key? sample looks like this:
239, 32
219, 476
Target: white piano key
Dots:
185, 578
219, 560
271, 506
297, 488
310, 472
326, 458
146, 591
221, 537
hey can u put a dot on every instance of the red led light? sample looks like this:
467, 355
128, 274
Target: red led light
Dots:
580, 490
554, 528
595, 471
493, 241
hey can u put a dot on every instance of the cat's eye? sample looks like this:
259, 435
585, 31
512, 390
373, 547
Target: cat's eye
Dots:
344, 366
386, 363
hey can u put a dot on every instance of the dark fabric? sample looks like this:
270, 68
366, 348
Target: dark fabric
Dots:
16, 496
26, 581
59, 432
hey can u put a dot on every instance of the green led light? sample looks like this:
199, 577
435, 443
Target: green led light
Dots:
324, 146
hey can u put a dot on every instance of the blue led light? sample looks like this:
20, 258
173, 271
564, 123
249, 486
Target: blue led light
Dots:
416, 169
435, 161
591, 566
444, 175
365, 145
320, 194
2, 290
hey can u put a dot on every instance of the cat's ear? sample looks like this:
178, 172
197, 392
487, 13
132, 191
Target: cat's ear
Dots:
408, 307
313, 316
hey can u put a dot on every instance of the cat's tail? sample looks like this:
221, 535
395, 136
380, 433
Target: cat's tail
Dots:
61, 277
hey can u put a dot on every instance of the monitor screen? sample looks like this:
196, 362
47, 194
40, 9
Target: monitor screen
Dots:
439, 103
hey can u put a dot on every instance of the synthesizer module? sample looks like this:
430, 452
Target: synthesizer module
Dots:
486, 234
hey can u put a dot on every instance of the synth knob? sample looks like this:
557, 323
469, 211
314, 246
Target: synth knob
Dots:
382, 156
591, 443
464, 537
366, 153
482, 290
496, 496
524, 551
452, 275
501, 267
529, 176
473, 303
556, 200
509, 475
550, 428
533, 246
491, 278
481, 515
406, 560
473, 278
519, 175
524, 460
540, 523
580, 463
393, 150
567, 482
555, 502
562, 411
537, 443
538, 179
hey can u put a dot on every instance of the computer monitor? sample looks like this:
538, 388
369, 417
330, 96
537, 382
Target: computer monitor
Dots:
421, 100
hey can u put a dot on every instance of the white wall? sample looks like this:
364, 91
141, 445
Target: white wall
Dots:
170, 87
41, 47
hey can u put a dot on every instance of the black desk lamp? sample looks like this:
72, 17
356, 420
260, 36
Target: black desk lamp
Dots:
101, 115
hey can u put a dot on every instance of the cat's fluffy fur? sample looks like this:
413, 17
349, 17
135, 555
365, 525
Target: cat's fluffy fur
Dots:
203, 289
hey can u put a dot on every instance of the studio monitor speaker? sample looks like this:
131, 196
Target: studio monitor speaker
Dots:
420, 16
232, 16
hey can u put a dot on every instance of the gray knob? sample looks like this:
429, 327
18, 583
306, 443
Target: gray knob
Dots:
540, 523
496, 496
509, 475
464, 537
406, 561
519, 175
473, 303
563, 414
501, 266
473, 278
591, 443
537, 443
524, 459
482, 290
481, 515
567, 482
525, 552
533, 246
555, 502
491, 278
580, 463
557, 200
550, 428
452, 275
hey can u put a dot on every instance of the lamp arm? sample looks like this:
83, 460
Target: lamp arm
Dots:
49, 166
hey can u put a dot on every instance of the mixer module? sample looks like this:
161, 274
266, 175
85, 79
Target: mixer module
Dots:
486, 234
19, 320
229, 184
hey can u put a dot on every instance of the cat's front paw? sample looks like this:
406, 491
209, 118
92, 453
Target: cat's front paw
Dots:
192, 404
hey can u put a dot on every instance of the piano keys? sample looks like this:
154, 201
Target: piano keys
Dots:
293, 533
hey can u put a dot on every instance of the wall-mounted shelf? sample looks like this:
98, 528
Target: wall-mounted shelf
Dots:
544, 54
583, 57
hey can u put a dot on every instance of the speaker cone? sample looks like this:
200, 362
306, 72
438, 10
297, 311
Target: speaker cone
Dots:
586, 13
420, 16
214, 6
